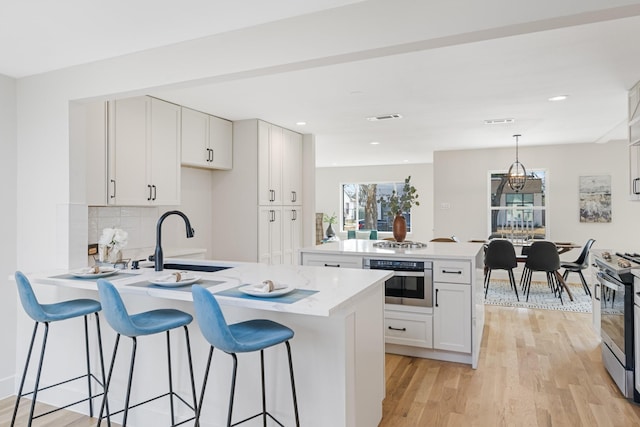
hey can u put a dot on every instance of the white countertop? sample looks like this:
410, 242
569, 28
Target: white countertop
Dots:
338, 288
433, 250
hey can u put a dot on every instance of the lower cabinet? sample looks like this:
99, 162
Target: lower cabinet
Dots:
452, 317
328, 260
406, 328
279, 234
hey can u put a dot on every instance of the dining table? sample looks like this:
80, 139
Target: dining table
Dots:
522, 256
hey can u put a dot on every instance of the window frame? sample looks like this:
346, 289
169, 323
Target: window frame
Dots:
540, 208
398, 184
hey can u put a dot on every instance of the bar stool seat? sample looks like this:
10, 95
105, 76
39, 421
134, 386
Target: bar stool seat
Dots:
243, 337
48, 313
142, 324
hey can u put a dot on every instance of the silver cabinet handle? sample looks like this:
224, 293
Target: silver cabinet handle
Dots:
398, 329
154, 191
149, 187
451, 272
294, 196
113, 196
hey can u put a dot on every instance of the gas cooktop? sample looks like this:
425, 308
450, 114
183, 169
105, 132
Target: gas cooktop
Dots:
390, 244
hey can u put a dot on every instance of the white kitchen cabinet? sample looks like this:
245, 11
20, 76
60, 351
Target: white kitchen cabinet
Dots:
452, 317
291, 234
270, 248
207, 141
269, 164
406, 328
292, 168
596, 294
634, 142
279, 165
143, 152
329, 260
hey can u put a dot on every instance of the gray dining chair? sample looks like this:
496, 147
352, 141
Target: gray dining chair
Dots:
500, 255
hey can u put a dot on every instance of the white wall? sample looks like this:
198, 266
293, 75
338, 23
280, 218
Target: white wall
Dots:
8, 189
467, 193
329, 181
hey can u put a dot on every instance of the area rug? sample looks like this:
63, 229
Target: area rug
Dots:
540, 296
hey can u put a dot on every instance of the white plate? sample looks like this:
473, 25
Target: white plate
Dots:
83, 274
167, 282
250, 290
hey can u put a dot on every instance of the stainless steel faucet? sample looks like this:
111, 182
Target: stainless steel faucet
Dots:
158, 257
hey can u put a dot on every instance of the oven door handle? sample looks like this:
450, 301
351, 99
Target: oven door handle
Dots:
408, 273
609, 283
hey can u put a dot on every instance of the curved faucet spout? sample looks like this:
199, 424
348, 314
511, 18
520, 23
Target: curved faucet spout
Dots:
158, 256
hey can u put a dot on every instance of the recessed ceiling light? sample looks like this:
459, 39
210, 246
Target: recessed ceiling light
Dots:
301, 123
374, 143
406, 161
558, 98
499, 121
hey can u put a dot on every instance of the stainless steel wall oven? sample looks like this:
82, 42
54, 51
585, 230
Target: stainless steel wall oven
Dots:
411, 283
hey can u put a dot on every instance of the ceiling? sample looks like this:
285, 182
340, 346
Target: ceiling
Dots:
444, 93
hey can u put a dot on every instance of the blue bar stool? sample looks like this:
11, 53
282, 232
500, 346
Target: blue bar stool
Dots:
48, 313
243, 337
133, 326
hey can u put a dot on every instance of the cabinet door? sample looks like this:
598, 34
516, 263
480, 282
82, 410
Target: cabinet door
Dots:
634, 171
452, 317
270, 235
220, 143
164, 176
195, 136
95, 117
269, 164
291, 235
128, 151
292, 168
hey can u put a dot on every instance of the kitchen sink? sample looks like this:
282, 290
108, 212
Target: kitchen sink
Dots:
192, 267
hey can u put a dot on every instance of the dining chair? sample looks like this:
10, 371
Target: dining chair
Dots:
137, 325
243, 337
578, 265
500, 255
50, 313
543, 256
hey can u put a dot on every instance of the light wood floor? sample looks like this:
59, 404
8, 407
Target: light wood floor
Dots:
537, 367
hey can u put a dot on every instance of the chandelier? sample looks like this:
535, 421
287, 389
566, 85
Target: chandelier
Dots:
517, 175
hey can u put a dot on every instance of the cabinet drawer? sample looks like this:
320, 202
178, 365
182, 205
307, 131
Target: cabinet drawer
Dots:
320, 260
408, 329
452, 271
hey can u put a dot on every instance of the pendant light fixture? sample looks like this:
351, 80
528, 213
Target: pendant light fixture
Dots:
517, 175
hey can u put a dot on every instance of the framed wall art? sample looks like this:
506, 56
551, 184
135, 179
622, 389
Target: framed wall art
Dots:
595, 198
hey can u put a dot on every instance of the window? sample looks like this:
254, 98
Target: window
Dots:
522, 215
362, 207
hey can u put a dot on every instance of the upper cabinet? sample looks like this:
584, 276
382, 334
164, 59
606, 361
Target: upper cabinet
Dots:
207, 141
279, 166
634, 142
143, 152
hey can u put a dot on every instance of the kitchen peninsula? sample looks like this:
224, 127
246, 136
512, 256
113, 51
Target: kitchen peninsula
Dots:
338, 347
441, 315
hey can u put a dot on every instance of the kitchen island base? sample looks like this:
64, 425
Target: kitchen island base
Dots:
337, 350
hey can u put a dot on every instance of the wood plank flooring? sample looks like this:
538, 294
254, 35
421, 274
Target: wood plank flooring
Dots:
537, 368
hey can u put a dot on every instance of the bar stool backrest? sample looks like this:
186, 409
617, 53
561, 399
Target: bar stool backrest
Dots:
543, 256
211, 321
114, 309
28, 298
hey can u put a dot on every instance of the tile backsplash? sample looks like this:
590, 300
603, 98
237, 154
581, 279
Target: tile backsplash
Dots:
139, 222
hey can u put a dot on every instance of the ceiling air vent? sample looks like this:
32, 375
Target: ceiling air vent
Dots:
384, 117
499, 121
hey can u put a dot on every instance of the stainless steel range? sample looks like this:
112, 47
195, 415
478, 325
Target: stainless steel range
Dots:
616, 313
391, 244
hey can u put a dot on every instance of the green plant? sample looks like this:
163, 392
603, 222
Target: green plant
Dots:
402, 201
330, 219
